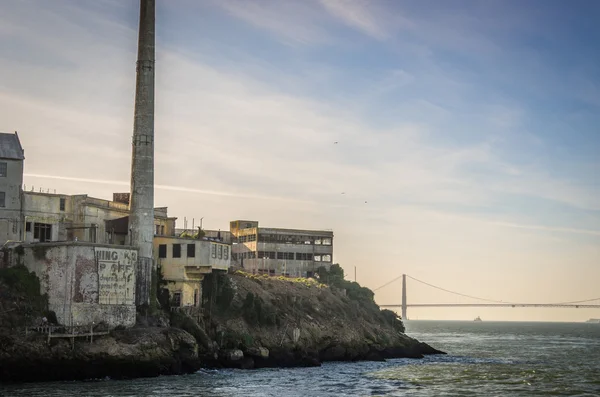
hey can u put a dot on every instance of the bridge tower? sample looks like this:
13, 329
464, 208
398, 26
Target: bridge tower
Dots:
404, 317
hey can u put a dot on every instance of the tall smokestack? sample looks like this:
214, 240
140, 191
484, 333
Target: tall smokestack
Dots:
141, 204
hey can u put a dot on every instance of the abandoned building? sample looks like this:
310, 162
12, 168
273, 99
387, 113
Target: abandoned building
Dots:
276, 251
12, 157
183, 262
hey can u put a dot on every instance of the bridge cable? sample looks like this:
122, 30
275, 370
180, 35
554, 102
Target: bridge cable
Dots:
475, 297
388, 283
457, 293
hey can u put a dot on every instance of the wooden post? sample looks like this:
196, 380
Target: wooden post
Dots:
91, 334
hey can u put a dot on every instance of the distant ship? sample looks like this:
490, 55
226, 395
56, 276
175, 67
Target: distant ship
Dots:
477, 318
593, 320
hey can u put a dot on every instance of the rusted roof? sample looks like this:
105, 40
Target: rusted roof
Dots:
10, 147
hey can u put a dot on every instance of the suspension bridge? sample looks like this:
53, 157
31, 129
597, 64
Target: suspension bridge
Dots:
483, 302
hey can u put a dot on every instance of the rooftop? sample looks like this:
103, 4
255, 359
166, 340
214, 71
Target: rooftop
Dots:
10, 147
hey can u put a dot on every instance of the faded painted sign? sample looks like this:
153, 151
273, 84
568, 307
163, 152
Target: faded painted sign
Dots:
116, 279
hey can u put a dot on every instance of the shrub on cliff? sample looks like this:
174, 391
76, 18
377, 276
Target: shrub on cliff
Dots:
335, 277
20, 300
393, 319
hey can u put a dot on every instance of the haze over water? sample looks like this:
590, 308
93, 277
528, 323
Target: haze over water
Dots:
485, 359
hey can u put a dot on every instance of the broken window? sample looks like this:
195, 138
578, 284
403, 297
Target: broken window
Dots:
162, 251
162, 230
2, 199
220, 252
326, 258
3, 169
317, 258
176, 250
63, 203
318, 242
177, 299
42, 232
157, 230
225, 253
191, 250
213, 250
327, 241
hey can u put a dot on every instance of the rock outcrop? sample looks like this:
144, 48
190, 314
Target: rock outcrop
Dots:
248, 322
300, 322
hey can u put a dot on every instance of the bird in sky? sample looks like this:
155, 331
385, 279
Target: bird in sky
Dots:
335, 143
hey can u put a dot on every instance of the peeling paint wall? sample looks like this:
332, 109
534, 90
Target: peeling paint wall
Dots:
86, 282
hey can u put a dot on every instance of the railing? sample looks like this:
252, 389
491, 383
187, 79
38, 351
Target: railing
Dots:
66, 331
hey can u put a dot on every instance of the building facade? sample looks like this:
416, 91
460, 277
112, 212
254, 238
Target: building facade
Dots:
86, 283
183, 262
277, 251
12, 157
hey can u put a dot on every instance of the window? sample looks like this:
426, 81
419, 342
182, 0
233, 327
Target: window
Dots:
176, 250
2, 199
220, 252
162, 230
327, 258
42, 232
326, 241
213, 250
28, 226
3, 169
317, 258
157, 230
63, 203
191, 250
280, 255
225, 253
318, 242
177, 299
162, 251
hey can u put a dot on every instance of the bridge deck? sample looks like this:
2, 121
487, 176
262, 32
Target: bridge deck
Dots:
566, 306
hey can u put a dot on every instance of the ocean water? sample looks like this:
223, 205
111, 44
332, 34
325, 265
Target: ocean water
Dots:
485, 359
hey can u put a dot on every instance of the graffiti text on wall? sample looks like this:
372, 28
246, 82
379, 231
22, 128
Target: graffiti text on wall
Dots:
116, 276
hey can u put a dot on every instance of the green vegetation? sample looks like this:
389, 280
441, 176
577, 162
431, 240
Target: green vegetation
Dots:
20, 298
198, 235
21, 281
255, 312
393, 319
217, 292
335, 278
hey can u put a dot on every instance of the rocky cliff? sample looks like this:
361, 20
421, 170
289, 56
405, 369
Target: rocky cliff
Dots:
280, 321
247, 322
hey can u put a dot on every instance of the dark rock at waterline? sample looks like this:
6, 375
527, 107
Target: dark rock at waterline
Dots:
134, 353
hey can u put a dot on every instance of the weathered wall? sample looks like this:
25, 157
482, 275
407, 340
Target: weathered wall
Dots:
10, 215
45, 208
86, 282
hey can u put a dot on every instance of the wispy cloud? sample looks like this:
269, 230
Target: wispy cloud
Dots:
430, 153
356, 14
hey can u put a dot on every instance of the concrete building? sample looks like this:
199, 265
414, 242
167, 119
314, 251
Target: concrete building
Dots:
276, 251
183, 262
58, 217
85, 283
12, 157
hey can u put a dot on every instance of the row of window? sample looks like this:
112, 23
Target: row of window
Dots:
248, 238
282, 238
217, 251
299, 256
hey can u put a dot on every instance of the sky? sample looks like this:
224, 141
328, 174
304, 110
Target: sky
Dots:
467, 132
